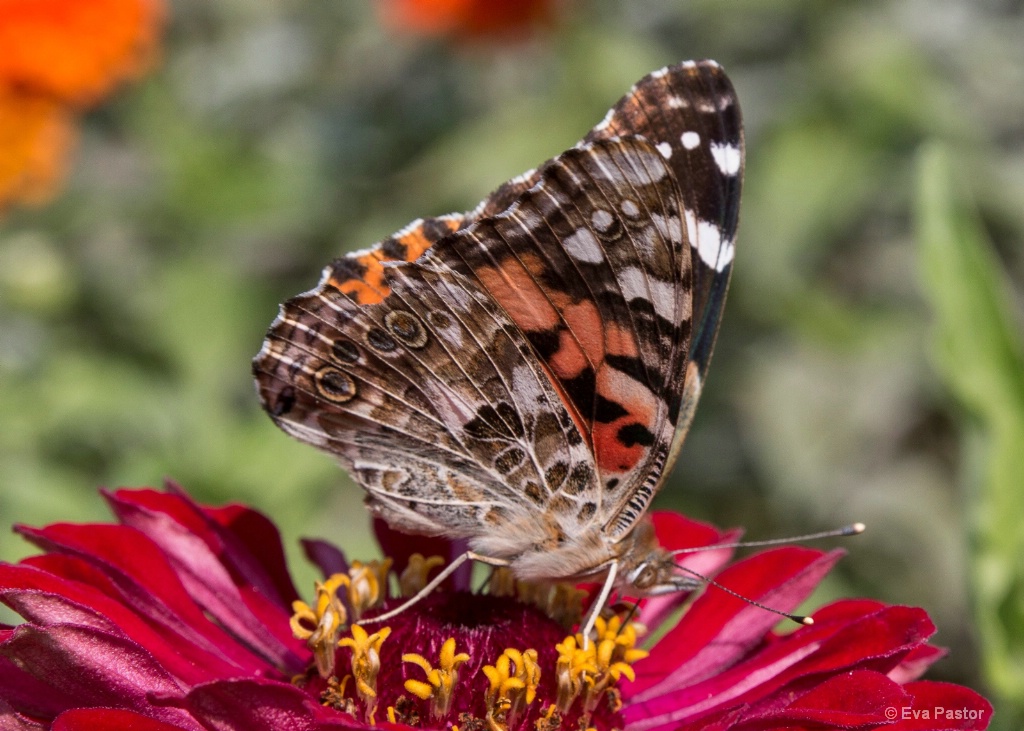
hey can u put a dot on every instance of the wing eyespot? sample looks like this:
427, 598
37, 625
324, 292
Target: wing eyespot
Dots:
336, 386
407, 328
345, 351
380, 341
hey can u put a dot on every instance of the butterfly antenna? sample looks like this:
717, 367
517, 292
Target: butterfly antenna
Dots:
847, 530
798, 618
632, 612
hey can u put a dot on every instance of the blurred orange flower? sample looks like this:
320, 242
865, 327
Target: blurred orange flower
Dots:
467, 18
59, 57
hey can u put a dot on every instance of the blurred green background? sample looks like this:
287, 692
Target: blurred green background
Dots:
869, 365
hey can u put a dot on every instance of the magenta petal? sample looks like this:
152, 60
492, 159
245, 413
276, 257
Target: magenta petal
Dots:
719, 628
256, 705
245, 540
789, 666
259, 539
140, 577
196, 557
675, 531
917, 661
942, 706
81, 666
91, 719
46, 599
849, 700
877, 641
326, 556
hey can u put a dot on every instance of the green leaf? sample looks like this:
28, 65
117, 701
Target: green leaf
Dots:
979, 353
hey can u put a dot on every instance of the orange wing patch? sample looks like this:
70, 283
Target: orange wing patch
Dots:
621, 444
361, 275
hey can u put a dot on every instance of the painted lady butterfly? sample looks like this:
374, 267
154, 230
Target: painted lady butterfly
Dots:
523, 375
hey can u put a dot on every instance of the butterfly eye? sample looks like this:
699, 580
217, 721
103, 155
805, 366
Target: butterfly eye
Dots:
335, 385
645, 577
406, 328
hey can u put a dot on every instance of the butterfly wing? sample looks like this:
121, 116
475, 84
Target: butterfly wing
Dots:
690, 112
437, 397
529, 361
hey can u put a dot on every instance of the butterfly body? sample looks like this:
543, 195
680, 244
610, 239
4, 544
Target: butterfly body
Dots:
523, 375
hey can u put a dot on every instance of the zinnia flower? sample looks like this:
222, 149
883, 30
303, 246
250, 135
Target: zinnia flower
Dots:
184, 617
472, 19
57, 58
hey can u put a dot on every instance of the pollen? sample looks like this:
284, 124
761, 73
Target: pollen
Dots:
439, 688
366, 664
368, 586
414, 577
513, 680
320, 626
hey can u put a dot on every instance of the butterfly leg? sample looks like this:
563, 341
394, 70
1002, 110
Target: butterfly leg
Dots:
598, 605
436, 582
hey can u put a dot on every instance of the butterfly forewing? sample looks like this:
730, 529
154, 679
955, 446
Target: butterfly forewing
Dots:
690, 112
521, 375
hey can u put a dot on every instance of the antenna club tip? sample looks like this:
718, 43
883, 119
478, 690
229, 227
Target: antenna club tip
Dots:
857, 528
806, 621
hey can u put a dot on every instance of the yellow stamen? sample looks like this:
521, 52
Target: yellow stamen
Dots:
320, 627
441, 681
368, 585
513, 685
414, 577
592, 672
366, 664
575, 668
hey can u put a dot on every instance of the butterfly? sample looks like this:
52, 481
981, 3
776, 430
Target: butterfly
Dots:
523, 375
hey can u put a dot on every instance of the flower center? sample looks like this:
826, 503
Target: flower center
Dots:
499, 661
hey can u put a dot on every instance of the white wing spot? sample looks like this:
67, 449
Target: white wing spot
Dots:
677, 102
583, 245
630, 208
647, 169
637, 284
670, 228
728, 158
602, 220
690, 139
665, 149
706, 238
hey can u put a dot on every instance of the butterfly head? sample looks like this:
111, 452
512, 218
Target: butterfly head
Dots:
650, 570
657, 574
